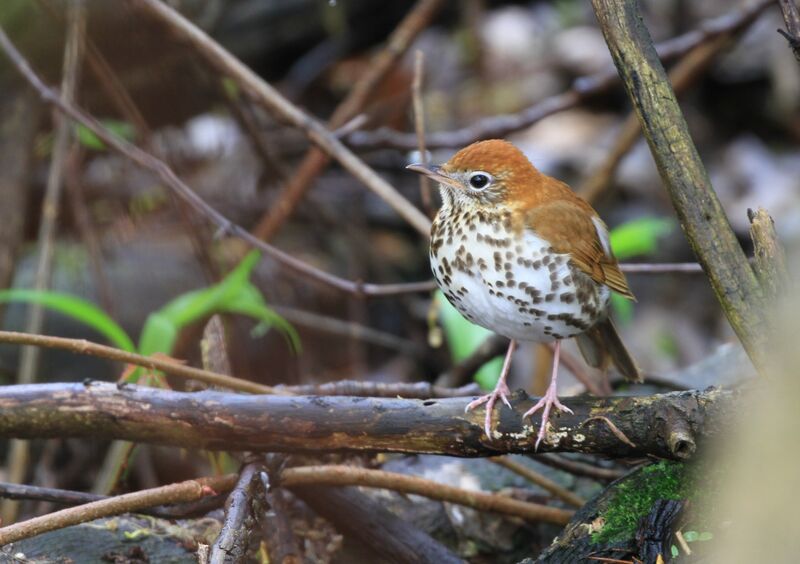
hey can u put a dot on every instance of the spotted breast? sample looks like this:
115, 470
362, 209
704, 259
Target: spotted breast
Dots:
516, 285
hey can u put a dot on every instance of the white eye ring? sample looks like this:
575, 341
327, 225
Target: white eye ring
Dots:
479, 180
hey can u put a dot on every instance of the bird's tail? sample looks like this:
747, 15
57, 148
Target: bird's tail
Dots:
602, 344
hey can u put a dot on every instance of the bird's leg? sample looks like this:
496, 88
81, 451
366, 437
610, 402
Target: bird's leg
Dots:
500, 391
550, 398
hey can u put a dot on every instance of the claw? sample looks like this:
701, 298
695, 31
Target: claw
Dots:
546, 404
549, 400
500, 391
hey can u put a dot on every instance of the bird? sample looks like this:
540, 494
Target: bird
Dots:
520, 253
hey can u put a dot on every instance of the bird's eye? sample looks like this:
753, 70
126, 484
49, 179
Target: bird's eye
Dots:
479, 180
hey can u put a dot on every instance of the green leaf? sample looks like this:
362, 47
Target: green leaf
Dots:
233, 294
674, 551
634, 238
463, 337
693, 536
76, 308
88, 139
623, 308
639, 236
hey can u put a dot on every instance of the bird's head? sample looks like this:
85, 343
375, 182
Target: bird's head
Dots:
489, 172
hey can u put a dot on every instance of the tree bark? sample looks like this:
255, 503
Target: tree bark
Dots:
664, 425
699, 210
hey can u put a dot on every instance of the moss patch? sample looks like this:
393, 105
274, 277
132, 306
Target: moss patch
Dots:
634, 498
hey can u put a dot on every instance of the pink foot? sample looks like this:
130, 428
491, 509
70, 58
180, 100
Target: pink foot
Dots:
547, 402
500, 391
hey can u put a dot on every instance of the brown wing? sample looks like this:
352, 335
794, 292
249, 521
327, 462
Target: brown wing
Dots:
569, 227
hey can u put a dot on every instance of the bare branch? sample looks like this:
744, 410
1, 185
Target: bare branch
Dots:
272, 100
223, 421
315, 160
189, 490
584, 89
698, 208
168, 176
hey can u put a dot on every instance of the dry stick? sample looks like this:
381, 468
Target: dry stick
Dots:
583, 89
409, 390
769, 257
189, 490
232, 542
70, 497
316, 160
660, 268
419, 128
291, 477
351, 330
682, 76
87, 231
543, 482
421, 390
351, 476
275, 519
492, 346
167, 366
699, 210
791, 15
216, 420
578, 468
273, 101
168, 176
119, 97
19, 451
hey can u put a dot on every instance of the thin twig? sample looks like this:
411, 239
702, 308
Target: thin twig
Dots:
351, 330
69, 497
167, 366
791, 15
419, 128
362, 388
460, 373
579, 468
189, 490
351, 476
420, 390
540, 480
660, 268
168, 176
682, 76
266, 95
583, 89
315, 160
614, 429
275, 519
19, 451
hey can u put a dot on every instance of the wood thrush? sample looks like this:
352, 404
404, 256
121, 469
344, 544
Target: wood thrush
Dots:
518, 252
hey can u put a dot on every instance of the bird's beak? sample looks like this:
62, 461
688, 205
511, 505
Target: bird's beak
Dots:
434, 173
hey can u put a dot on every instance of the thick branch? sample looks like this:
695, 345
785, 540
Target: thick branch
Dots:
698, 208
666, 425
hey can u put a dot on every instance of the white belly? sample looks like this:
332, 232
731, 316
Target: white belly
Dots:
516, 290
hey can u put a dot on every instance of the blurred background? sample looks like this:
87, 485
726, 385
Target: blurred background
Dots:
125, 244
